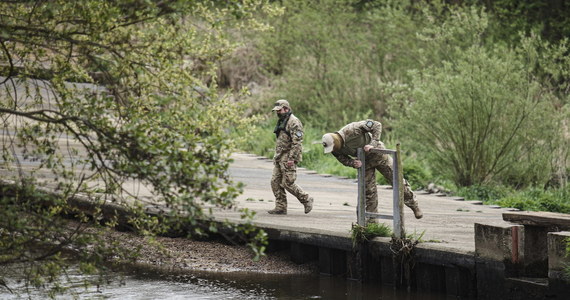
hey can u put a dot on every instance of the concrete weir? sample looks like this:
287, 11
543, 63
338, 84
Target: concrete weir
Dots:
467, 250
495, 271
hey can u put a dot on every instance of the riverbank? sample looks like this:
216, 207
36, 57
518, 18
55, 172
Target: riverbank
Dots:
213, 255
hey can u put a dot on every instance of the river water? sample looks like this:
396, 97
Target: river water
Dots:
203, 285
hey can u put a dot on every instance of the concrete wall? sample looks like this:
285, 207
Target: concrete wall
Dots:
558, 261
511, 262
494, 271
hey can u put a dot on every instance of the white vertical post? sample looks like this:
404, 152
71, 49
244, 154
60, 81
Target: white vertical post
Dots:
398, 191
361, 205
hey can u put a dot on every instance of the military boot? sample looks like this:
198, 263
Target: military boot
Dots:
308, 205
417, 212
277, 212
371, 221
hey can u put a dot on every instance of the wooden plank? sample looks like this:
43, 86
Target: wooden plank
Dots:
538, 218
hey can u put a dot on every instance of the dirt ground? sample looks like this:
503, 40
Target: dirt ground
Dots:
217, 255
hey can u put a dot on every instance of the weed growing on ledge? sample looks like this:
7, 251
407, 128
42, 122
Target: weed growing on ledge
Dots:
361, 234
403, 251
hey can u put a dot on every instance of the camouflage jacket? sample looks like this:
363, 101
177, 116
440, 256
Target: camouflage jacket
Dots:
289, 141
356, 135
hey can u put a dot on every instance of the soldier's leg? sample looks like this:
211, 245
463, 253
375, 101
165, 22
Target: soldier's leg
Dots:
289, 178
278, 189
385, 167
371, 190
288, 182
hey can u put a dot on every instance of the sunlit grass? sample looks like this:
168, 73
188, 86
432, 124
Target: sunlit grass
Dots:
361, 234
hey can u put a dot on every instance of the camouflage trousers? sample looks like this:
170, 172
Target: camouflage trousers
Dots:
383, 163
283, 179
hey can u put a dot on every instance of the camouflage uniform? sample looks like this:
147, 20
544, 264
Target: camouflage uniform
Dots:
358, 134
288, 148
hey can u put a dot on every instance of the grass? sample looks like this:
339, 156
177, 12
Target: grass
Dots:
361, 234
528, 199
260, 140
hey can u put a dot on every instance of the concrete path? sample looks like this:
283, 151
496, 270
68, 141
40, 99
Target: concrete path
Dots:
447, 223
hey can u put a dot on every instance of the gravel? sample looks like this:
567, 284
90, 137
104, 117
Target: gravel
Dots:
183, 254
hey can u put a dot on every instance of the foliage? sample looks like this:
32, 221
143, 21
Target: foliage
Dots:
484, 192
329, 55
402, 62
529, 199
37, 242
415, 172
534, 199
360, 234
548, 16
258, 138
490, 113
416, 237
261, 141
98, 96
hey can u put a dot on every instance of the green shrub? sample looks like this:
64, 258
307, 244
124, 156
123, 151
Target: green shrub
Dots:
518, 202
257, 139
535, 199
260, 140
469, 108
361, 234
334, 59
479, 116
483, 193
416, 173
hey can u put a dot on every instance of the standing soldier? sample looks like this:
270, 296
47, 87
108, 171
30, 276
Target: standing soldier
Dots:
366, 134
288, 153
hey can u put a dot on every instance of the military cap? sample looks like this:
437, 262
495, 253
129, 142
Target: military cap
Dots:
328, 142
280, 104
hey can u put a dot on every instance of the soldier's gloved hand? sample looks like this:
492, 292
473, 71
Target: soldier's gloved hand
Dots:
290, 163
357, 163
367, 148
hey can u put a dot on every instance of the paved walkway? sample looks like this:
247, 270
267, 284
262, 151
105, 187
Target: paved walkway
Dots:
447, 222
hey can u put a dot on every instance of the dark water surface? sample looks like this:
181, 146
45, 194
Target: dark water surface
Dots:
204, 285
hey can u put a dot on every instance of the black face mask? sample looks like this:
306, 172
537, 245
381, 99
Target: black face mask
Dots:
282, 122
283, 115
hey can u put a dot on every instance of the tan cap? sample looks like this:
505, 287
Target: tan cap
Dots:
280, 104
328, 142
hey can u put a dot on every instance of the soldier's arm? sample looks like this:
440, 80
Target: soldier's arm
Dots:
375, 129
344, 159
297, 136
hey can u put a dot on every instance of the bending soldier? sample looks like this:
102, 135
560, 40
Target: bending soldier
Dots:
366, 134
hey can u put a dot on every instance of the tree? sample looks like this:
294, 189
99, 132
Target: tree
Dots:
331, 55
482, 116
101, 93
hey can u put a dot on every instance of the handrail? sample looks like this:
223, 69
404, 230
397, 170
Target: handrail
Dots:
397, 188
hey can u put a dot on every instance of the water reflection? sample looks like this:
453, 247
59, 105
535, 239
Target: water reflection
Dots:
145, 284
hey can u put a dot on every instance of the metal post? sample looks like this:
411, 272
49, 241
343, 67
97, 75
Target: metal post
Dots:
397, 192
361, 205
398, 189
